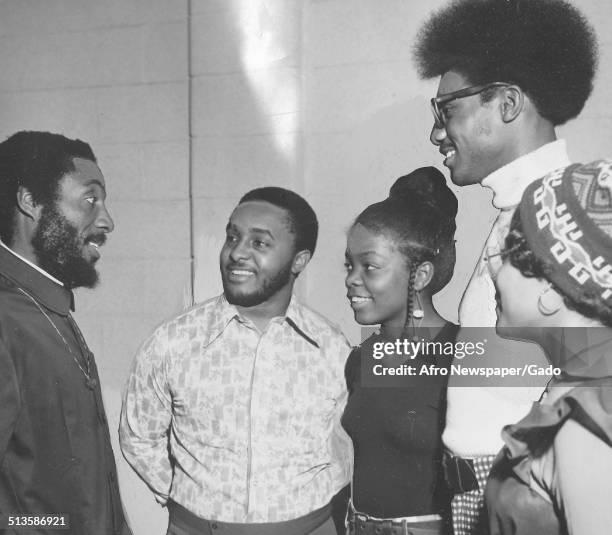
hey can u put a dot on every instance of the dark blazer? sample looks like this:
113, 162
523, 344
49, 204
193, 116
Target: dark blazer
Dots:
55, 451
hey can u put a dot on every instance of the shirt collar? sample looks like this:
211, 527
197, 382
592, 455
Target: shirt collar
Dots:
510, 181
296, 316
35, 281
301, 321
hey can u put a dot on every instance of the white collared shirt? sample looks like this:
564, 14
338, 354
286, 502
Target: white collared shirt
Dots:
31, 264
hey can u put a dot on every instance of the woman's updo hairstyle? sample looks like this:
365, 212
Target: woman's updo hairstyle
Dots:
419, 218
427, 188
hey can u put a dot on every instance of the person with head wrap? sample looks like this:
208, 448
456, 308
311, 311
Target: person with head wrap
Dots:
510, 73
399, 253
554, 287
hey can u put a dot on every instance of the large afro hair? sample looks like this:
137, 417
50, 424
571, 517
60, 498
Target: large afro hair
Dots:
546, 47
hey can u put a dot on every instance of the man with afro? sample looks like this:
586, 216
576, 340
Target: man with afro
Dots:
510, 72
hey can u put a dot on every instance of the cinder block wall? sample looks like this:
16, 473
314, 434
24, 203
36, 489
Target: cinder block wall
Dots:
114, 73
246, 114
188, 104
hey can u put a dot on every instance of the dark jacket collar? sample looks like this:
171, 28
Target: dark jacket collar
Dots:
51, 295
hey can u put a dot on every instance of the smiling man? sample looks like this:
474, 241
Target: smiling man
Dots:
55, 452
231, 413
510, 72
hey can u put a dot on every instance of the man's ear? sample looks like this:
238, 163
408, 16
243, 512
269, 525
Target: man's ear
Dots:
300, 261
512, 103
26, 204
422, 277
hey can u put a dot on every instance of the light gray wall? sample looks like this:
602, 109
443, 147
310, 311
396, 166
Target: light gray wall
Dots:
190, 104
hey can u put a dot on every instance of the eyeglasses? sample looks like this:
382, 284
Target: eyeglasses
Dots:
495, 259
437, 103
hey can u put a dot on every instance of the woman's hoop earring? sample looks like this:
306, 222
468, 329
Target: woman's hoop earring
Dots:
545, 309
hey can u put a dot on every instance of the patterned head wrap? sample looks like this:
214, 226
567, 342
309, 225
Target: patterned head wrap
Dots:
567, 221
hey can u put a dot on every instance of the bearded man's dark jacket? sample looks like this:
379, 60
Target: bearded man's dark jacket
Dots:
55, 450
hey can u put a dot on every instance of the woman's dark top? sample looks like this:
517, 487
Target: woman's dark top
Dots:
396, 429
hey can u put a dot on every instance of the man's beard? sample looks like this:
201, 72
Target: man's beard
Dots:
269, 287
59, 250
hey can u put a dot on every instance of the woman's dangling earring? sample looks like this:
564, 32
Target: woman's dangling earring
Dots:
418, 312
544, 308
417, 316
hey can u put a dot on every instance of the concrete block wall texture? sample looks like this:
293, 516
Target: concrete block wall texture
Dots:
246, 114
367, 122
189, 104
114, 73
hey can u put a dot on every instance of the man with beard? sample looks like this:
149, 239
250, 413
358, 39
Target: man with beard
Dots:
57, 468
231, 413
510, 73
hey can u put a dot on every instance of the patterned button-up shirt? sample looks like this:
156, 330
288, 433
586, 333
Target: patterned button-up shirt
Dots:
251, 418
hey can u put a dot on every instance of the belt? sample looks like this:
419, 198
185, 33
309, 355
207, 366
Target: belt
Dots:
459, 474
181, 517
364, 524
